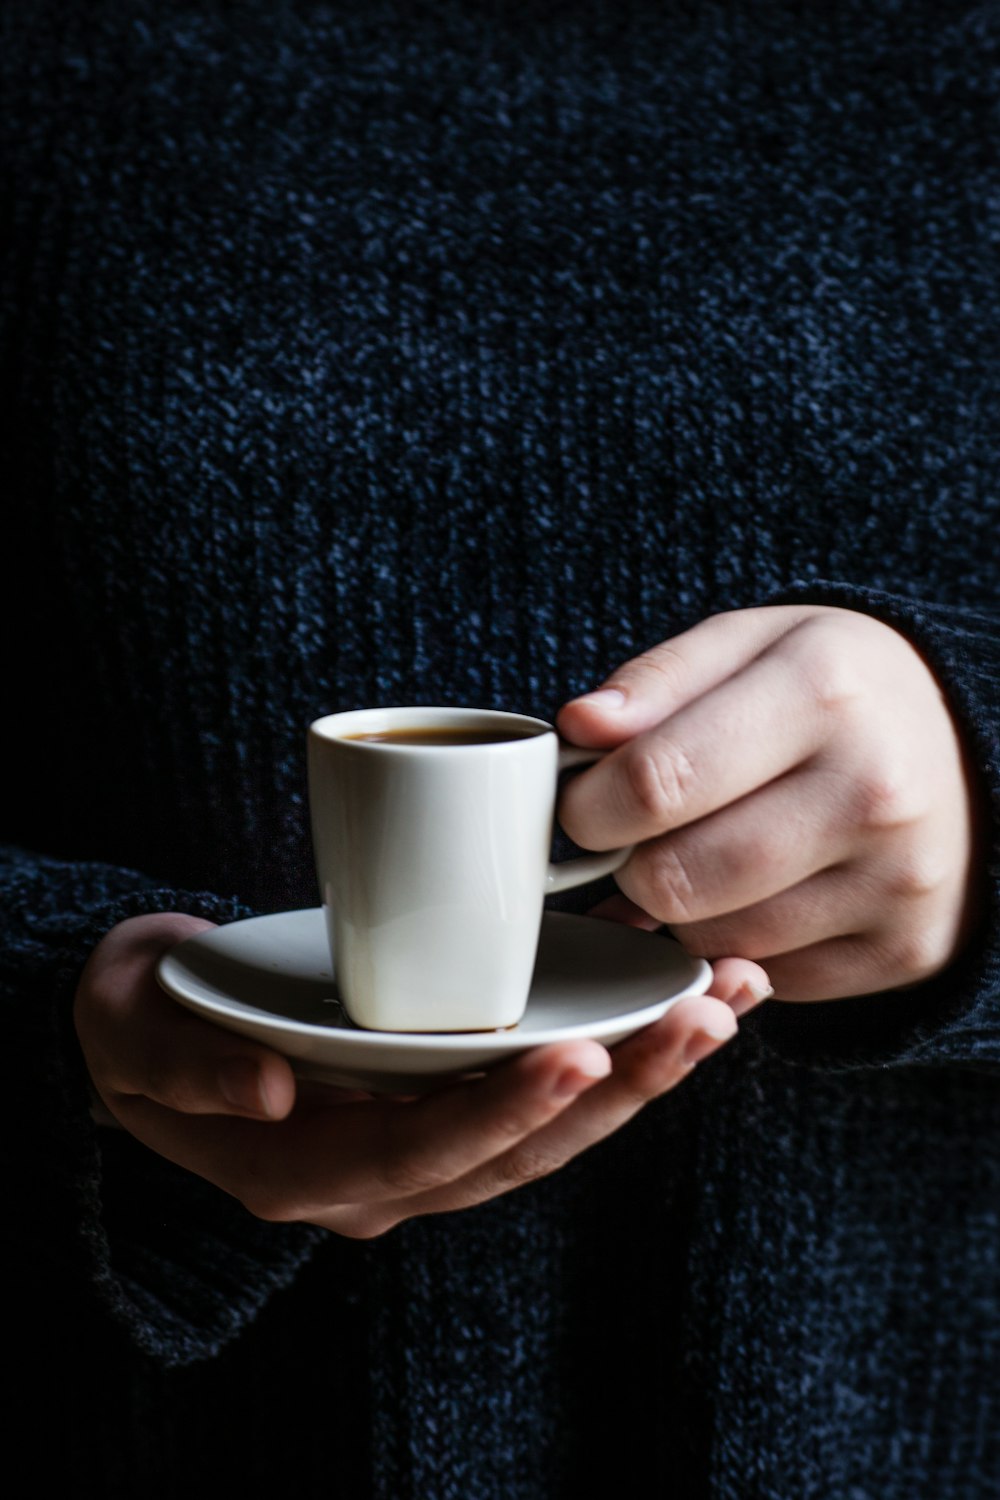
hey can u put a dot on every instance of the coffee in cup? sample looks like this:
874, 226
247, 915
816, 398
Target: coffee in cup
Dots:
432, 831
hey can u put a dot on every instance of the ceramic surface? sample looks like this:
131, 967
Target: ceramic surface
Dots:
271, 979
433, 863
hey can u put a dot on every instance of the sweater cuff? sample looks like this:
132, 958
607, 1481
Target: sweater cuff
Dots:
953, 1018
179, 1265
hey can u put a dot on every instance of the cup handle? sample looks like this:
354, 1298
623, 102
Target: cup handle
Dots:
573, 872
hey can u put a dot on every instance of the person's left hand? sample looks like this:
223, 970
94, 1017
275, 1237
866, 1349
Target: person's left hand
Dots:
231, 1110
796, 790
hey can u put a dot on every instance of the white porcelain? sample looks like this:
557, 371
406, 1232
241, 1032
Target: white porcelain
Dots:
270, 978
433, 864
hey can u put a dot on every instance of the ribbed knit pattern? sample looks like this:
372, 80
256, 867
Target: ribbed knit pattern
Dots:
455, 352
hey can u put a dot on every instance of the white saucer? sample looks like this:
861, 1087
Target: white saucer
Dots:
270, 978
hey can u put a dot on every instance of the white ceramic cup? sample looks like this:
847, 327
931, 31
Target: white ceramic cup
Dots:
433, 863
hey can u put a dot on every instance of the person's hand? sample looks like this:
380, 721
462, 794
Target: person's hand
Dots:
796, 788
220, 1105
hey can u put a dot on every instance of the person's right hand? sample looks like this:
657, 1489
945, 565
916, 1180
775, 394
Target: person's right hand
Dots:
225, 1108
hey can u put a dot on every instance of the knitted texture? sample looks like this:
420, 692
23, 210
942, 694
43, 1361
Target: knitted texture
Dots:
456, 352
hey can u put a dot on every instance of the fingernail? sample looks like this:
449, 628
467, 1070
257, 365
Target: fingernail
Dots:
240, 1085
748, 995
708, 1038
575, 1079
604, 698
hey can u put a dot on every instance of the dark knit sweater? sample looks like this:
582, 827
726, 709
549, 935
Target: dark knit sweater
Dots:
455, 351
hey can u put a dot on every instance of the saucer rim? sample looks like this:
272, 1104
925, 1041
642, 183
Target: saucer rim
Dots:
356, 1038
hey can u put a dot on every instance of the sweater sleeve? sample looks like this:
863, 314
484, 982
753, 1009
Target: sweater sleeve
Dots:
175, 1262
953, 1018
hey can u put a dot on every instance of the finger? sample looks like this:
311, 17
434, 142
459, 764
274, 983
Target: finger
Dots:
136, 1041
740, 984
687, 767
836, 903
357, 1157
186, 1064
394, 1153
648, 688
856, 964
646, 1065
619, 909
752, 850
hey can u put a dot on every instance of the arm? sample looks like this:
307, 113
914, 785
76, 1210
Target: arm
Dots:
179, 1265
954, 1016
356, 1164
134, 1219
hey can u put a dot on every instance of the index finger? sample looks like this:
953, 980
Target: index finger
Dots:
664, 679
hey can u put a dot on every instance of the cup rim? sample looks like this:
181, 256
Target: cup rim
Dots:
337, 728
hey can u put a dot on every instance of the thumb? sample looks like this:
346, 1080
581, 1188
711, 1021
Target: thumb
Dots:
138, 1042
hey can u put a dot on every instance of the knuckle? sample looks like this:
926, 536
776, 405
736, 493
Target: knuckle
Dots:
827, 672
659, 782
764, 862
366, 1224
645, 1080
916, 955
920, 873
267, 1197
162, 1081
521, 1167
271, 1206
511, 1125
653, 1066
406, 1175
883, 799
667, 667
158, 1083
660, 876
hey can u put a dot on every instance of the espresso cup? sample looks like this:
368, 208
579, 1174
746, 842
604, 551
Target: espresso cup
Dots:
432, 832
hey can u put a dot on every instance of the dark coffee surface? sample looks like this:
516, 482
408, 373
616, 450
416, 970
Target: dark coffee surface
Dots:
445, 735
